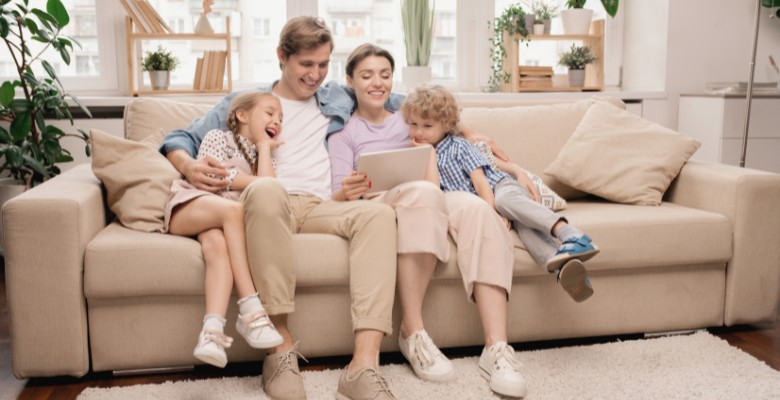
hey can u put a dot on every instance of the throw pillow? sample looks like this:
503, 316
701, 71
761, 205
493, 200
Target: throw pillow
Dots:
547, 197
136, 176
621, 157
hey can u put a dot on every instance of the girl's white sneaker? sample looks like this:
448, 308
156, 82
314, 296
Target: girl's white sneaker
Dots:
211, 347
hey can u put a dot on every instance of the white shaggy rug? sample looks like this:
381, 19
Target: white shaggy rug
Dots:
697, 366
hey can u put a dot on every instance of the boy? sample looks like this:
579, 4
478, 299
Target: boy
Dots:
432, 114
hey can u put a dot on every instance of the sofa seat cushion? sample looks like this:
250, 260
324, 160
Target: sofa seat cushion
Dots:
632, 237
121, 262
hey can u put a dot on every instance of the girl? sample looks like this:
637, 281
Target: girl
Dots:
254, 120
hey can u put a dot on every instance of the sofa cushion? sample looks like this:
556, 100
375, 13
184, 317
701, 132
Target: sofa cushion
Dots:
621, 157
121, 262
137, 179
634, 237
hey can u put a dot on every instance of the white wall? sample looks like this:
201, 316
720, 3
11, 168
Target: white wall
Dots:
708, 41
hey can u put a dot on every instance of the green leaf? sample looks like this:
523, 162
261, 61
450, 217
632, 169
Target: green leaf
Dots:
36, 165
65, 55
20, 105
47, 20
3, 28
31, 26
65, 43
50, 70
14, 156
20, 127
58, 11
5, 136
52, 149
88, 151
6, 93
54, 132
44, 34
83, 108
611, 6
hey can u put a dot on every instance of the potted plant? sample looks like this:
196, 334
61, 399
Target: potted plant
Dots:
576, 18
417, 18
160, 63
544, 13
29, 147
575, 60
511, 22
772, 4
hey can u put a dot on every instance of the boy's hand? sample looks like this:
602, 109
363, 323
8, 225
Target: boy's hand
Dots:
415, 143
507, 223
355, 186
523, 179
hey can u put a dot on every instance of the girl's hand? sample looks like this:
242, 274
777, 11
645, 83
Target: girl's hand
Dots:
270, 144
355, 186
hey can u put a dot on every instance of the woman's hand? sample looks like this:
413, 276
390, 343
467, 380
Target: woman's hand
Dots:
355, 186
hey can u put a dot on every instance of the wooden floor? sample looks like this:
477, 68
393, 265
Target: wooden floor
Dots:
762, 341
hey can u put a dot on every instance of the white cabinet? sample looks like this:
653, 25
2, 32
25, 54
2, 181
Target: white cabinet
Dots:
717, 121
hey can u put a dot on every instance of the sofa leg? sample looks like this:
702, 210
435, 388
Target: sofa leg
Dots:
149, 371
651, 335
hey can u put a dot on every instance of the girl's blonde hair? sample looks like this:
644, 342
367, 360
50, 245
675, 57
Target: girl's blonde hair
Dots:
243, 101
433, 102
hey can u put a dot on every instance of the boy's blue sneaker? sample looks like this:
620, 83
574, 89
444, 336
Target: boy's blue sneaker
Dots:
580, 248
573, 278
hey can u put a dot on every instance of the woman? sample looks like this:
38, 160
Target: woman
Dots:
485, 253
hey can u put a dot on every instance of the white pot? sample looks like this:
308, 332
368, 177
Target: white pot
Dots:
576, 21
9, 188
538, 29
413, 76
160, 79
576, 77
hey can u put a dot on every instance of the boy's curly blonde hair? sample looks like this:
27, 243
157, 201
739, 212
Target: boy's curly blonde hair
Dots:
433, 102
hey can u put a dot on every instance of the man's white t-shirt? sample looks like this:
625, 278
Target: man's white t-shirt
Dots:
302, 162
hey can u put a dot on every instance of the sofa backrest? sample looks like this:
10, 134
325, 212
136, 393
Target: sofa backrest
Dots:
145, 116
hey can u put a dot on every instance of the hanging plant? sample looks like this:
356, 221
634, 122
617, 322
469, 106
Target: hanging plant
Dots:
512, 22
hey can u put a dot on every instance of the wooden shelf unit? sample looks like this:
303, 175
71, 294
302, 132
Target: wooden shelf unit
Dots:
594, 73
134, 60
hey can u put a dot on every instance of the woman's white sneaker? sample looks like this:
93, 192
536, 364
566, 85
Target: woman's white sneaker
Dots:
500, 367
426, 359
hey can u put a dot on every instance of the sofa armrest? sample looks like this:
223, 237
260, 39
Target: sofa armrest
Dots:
750, 199
46, 231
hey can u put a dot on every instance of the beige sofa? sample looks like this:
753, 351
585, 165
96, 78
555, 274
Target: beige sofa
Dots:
85, 293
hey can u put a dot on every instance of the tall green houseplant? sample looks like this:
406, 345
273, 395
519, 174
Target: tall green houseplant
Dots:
417, 19
30, 148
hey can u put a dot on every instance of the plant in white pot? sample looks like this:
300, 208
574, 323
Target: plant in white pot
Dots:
575, 60
417, 18
160, 63
544, 13
512, 21
576, 18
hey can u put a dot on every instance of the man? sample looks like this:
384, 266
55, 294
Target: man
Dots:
298, 202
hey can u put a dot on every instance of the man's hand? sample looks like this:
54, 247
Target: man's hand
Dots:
473, 136
206, 174
355, 186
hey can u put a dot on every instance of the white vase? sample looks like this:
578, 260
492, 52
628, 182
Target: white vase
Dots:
160, 79
538, 29
576, 21
9, 188
576, 77
413, 76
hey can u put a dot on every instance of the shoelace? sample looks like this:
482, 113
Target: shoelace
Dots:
381, 384
424, 349
286, 363
218, 338
507, 354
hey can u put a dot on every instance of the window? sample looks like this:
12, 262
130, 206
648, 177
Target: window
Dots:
93, 65
262, 27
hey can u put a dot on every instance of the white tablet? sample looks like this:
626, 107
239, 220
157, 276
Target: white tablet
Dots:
390, 168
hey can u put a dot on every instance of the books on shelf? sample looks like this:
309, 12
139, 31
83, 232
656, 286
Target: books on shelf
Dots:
210, 71
535, 76
145, 17
530, 70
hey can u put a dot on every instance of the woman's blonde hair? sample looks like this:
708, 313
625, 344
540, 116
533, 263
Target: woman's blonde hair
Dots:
304, 33
243, 101
433, 102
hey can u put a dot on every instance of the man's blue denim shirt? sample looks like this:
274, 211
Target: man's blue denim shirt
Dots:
336, 101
